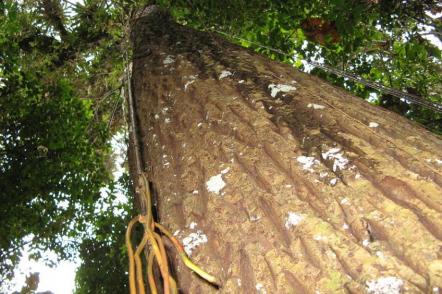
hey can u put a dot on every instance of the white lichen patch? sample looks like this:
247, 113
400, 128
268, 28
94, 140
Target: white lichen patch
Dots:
167, 120
385, 285
380, 255
225, 74
373, 124
168, 60
365, 242
319, 238
226, 170
307, 162
323, 175
194, 240
176, 233
437, 161
192, 225
315, 106
215, 184
293, 219
276, 88
195, 192
190, 80
254, 218
345, 201
333, 181
188, 84
330, 254
241, 81
260, 288
339, 161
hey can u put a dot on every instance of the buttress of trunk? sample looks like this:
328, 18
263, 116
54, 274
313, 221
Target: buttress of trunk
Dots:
278, 182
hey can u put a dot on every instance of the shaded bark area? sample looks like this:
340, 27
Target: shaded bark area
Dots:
323, 192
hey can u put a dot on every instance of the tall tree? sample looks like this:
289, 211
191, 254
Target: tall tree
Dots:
60, 69
276, 181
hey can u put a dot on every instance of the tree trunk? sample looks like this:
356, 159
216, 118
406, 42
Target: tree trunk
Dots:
281, 182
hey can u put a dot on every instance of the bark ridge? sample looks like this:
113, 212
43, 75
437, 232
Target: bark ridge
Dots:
299, 187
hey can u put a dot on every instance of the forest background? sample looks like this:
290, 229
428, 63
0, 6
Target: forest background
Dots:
61, 69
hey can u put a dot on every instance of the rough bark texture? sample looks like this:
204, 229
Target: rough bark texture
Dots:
324, 193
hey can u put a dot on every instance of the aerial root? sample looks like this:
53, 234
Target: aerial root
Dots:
152, 243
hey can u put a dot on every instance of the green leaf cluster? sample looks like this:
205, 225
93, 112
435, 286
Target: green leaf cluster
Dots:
51, 151
60, 80
104, 259
381, 41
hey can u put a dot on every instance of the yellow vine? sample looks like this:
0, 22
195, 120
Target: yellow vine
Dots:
153, 242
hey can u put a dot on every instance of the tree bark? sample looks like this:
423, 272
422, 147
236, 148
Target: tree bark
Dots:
299, 186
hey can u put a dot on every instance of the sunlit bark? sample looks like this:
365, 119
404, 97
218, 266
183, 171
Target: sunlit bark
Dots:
297, 185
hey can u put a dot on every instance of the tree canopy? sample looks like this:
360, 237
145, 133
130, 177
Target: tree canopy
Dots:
51, 151
61, 67
381, 41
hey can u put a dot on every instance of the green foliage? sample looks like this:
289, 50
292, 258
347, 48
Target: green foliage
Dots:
51, 155
60, 78
31, 284
104, 260
381, 41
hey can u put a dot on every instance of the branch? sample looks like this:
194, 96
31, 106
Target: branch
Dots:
53, 12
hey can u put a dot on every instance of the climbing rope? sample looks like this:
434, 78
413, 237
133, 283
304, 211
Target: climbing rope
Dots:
152, 242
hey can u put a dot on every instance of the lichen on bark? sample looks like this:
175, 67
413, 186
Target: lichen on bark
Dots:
368, 206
